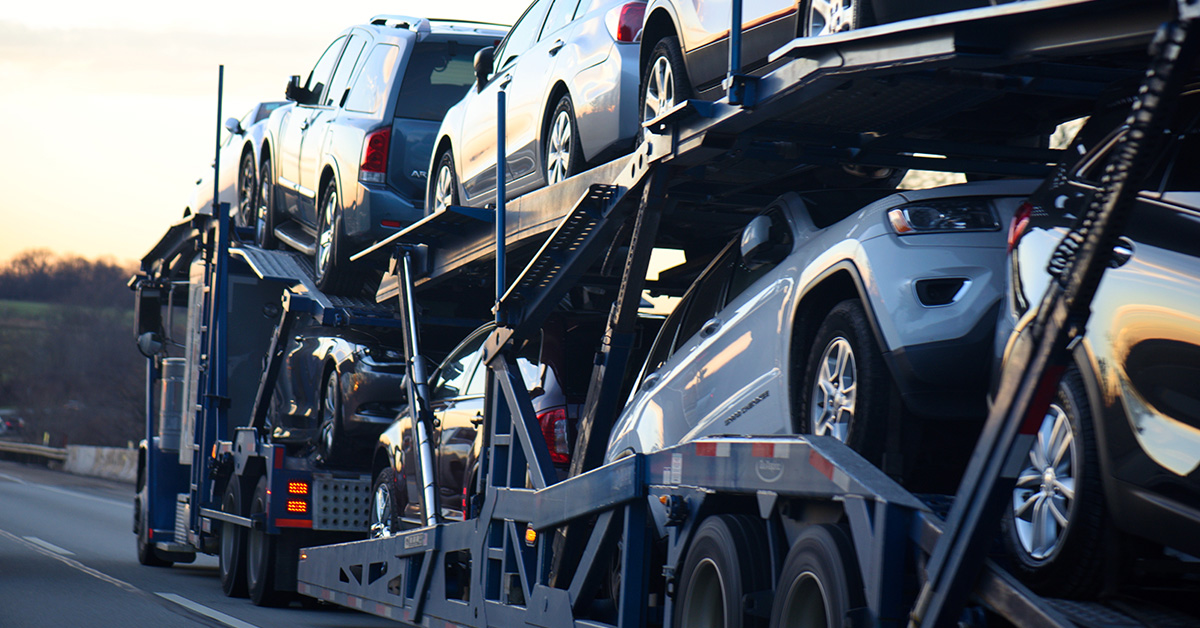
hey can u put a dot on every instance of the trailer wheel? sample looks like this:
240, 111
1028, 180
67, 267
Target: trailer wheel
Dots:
146, 553
232, 559
728, 560
846, 384
260, 555
820, 583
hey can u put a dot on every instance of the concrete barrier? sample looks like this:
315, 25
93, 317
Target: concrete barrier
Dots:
111, 463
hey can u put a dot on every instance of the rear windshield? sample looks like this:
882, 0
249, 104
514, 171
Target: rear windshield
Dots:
437, 76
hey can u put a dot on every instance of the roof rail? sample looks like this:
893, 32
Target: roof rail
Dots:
418, 25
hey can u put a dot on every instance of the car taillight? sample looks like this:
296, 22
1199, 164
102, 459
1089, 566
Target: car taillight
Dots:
625, 22
1019, 224
375, 156
554, 430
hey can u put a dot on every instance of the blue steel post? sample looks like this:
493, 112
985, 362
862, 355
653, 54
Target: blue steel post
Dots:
735, 46
215, 403
500, 215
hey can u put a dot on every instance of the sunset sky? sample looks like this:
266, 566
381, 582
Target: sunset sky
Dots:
109, 109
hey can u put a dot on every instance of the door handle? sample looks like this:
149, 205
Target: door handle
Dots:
304, 125
505, 81
555, 47
477, 420
1121, 252
710, 327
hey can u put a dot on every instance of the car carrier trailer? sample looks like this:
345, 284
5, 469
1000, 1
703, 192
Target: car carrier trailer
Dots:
747, 519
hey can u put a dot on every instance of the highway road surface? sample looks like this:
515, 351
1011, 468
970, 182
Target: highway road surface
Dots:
68, 558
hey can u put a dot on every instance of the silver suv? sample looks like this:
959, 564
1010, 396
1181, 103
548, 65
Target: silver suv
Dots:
344, 164
836, 312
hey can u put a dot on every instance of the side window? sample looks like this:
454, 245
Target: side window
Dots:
561, 14
319, 77
664, 344
707, 295
454, 378
370, 90
523, 34
341, 77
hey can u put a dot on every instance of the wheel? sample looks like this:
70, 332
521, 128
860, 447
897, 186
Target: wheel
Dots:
331, 445
443, 188
247, 209
826, 17
146, 553
332, 265
260, 556
264, 223
846, 384
564, 156
727, 560
386, 504
1054, 529
664, 81
820, 582
232, 559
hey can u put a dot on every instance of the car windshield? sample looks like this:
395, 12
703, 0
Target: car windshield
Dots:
437, 76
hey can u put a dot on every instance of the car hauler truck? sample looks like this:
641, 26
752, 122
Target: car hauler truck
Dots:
744, 529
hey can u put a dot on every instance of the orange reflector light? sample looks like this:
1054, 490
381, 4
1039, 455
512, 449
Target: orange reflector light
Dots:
297, 488
303, 555
297, 506
530, 536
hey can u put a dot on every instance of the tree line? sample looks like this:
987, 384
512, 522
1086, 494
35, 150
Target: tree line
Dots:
40, 275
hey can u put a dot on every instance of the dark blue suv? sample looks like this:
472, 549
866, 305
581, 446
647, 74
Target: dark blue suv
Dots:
344, 163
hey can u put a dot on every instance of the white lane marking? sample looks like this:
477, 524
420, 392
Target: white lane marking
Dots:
50, 546
13, 478
72, 563
54, 489
232, 622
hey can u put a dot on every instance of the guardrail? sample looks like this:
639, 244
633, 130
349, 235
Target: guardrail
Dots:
29, 449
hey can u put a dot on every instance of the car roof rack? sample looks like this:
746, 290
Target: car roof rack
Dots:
418, 25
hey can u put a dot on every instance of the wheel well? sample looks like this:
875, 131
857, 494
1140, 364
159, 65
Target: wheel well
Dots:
658, 25
811, 311
379, 460
326, 177
265, 153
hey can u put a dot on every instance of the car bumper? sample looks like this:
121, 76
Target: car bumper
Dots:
605, 97
372, 396
374, 205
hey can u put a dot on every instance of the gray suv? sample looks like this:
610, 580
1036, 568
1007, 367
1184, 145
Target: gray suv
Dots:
343, 165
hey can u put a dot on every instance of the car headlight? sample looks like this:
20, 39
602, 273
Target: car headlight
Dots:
944, 216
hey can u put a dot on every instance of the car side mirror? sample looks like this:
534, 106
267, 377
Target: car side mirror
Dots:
651, 380
294, 92
484, 59
758, 247
234, 126
150, 344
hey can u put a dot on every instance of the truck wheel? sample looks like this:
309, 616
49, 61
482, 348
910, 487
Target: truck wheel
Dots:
820, 582
846, 384
264, 222
232, 559
727, 561
146, 553
260, 556
1054, 528
386, 506
331, 442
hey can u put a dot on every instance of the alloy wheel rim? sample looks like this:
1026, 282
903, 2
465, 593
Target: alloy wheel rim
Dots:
660, 89
831, 16
558, 153
325, 237
330, 405
1044, 495
835, 391
264, 205
443, 195
247, 194
381, 510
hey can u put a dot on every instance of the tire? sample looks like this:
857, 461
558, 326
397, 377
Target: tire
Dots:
331, 438
247, 209
826, 17
727, 560
264, 223
820, 582
563, 156
232, 556
260, 556
664, 79
331, 266
1068, 558
146, 554
846, 385
443, 186
386, 504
